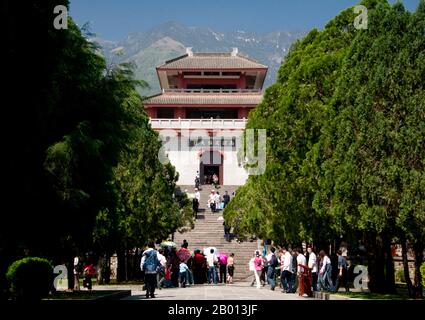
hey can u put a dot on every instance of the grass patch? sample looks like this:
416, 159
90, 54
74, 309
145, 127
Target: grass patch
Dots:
401, 288
78, 295
372, 296
84, 295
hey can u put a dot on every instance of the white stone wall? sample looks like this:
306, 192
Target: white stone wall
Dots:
187, 163
233, 174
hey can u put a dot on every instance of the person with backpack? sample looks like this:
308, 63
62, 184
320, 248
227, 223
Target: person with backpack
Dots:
272, 263
149, 265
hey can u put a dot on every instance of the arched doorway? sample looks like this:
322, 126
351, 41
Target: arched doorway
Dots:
211, 162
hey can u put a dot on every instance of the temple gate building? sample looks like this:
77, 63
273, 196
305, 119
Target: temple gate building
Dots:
202, 111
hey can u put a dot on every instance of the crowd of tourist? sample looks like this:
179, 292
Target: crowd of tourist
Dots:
215, 201
168, 267
298, 271
211, 179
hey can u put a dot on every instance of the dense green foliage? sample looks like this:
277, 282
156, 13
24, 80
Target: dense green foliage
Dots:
80, 159
143, 187
279, 202
345, 137
30, 278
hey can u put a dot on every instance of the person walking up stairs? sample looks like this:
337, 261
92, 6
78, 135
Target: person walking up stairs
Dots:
208, 232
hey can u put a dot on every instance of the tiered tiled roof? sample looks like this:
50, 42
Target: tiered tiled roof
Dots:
205, 98
212, 61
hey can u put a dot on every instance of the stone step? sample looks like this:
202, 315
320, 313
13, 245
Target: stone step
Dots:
208, 232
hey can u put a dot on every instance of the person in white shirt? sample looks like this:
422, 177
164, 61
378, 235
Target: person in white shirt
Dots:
183, 270
76, 274
217, 200
285, 270
325, 273
212, 272
197, 195
197, 180
301, 261
211, 201
304, 283
312, 265
150, 269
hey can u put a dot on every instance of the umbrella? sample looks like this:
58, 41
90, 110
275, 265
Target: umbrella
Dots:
183, 254
168, 244
208, 250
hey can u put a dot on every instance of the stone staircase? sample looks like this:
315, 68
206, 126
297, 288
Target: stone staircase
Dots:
208, 232
206, 190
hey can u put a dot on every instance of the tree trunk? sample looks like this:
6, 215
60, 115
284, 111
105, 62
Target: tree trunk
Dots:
70, 275
376, 265
406, 268
419, 258
389, 267
100, 273
121, 265
107, 269
126, 265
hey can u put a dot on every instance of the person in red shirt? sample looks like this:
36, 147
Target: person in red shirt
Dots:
89, 272
199, 267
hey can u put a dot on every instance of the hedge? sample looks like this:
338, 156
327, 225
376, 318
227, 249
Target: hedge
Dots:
30, 279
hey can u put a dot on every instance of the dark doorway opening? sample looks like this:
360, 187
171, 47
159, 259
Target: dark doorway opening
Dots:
209, 171
211, 163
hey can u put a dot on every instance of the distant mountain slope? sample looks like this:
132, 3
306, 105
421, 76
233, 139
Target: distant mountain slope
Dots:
166, 41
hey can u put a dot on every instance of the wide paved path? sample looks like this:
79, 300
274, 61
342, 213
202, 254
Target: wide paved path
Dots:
239, 291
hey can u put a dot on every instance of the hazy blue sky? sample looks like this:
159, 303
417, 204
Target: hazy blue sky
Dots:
113, 19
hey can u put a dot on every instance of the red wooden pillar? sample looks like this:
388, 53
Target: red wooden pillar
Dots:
151, 112
242, 113
242, 81
181, 82
180, 113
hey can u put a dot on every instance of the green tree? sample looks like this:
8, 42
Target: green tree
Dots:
73, 126
278, 204
372, 172
146, 206
344, 142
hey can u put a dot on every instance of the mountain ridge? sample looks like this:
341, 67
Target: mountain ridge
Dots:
169, 40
